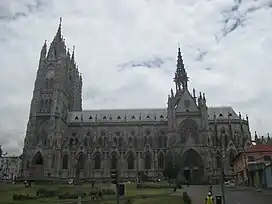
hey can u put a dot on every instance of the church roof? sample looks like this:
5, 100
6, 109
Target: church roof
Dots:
130, 115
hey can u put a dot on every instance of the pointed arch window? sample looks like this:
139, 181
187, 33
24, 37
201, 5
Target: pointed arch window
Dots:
100, 141
81, 161
165, 141
114, 161
118, 117
49, 105
150, 141
97, 162
218, 161
160, 142
161, 161
129, 140
135, 142
85, 141
46, 106
145, 140
104, 117
161, 116
147, 161
42, 106
133, 117
130, 161
65, 162
53, 161
115, 141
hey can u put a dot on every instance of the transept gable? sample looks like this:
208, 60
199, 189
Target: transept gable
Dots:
185, 102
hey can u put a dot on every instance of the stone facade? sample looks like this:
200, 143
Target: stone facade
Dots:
10, 167
60, 134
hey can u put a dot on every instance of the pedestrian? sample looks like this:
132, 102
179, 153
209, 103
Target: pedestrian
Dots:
209, 199
186, 198
210, 189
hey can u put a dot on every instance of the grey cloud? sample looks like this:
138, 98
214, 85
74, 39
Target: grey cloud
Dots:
14, 10
155, 62
229, 71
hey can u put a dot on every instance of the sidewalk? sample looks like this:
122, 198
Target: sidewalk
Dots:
269, 191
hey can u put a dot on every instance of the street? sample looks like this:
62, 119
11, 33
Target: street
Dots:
233, 195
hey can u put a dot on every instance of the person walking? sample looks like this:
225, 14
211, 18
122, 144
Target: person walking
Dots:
210, 189
209, 199
186, 198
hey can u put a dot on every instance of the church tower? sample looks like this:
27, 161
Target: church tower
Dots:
57, 90
187, 125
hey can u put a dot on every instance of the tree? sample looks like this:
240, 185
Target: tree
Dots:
2, 153
171, 171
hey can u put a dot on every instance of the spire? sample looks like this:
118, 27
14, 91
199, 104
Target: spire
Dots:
73, 54
181, 78
43, 51
57, 48
58, 35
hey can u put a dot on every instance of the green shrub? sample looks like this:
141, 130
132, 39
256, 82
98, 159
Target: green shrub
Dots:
143, 185
44, 193
23, 197
128, 201
67, 195
107, 191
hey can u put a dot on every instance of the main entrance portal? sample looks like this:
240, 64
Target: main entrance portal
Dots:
187, 174
37, 167
192, 167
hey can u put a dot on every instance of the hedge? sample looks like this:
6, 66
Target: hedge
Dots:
45, 193
143, 185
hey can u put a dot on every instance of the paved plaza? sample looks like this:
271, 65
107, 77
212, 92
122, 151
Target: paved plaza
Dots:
233, 195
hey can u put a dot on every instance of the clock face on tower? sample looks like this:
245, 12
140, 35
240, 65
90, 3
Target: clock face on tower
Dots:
50, 74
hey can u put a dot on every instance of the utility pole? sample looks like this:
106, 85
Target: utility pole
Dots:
117, 189
223, 177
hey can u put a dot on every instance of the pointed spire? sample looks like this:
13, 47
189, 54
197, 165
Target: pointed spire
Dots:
181, 77
43, 51
58, 35
256, 136
73, 54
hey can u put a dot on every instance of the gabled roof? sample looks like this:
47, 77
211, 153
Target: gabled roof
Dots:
259, 148
153, 114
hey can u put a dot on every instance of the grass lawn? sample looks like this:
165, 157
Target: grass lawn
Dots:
137, 196
166, 199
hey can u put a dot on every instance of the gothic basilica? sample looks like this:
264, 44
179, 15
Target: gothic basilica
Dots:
60, 134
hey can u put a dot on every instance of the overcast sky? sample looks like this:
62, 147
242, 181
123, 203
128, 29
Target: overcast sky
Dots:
126, 50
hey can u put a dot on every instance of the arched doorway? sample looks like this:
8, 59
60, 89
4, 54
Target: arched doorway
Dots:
192, 167
38, 159
37, 167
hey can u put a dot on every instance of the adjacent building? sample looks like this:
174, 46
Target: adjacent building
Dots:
10, 167
62, 139
251, 166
